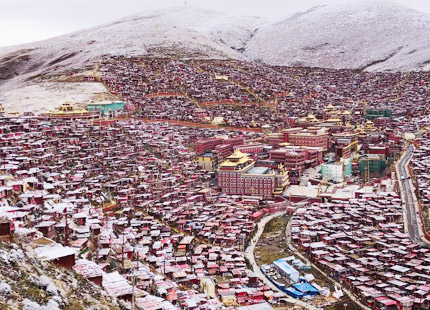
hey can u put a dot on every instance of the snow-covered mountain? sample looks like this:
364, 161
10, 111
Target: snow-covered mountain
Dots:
180, 31
370, 35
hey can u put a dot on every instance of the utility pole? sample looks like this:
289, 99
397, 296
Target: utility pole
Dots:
66, 229
122, 251
97, 249
134, 285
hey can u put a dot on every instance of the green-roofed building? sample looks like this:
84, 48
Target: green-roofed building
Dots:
372, 114
106, 107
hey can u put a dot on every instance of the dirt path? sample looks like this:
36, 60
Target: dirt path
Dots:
249, 254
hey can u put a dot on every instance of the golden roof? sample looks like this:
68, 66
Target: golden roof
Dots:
236, 154
67, 108
333, 120
358, 129
369, 126
311, 118
235, 159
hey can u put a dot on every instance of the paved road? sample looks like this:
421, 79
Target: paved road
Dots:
249, 254
412, 218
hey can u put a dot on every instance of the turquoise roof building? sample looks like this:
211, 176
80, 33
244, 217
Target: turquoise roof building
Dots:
106, 107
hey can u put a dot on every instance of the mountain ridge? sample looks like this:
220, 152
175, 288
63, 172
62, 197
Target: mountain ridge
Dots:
374, 36
381, 36
188, 32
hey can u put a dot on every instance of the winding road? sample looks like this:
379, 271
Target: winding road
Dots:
249, 254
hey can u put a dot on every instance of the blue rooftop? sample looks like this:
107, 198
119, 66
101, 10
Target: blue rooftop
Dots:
306, 288
294, 293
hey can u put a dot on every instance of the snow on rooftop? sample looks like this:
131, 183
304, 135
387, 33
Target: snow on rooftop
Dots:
115, 284
55, 251
87, 269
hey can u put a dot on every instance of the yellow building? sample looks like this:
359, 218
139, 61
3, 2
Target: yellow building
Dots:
68, 111
266, 129
359, 131
309, 120
206, 161
208, 286
369, 126
236, 161
346, 113
14, 114
330, 112
229, 300
334, 122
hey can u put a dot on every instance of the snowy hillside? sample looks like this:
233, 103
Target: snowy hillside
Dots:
29, 284
370, 35
180, 31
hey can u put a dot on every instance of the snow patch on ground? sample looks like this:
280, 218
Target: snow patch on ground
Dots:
5, 289
40, 98
11, 257
31, 305
48, 285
